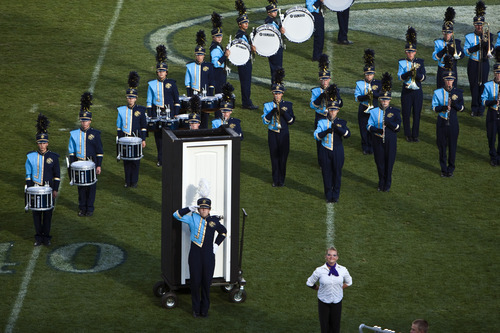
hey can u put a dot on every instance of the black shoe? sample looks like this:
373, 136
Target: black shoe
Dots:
493, 163
379, 189
195, 314
89, 214
409, 139
450, 174
249, 107
204, 315
82, 213
472, 114
37, 243
134, 185
443, 174
365, 152
47, 243
344, 42
416, 140
158, 164
274, 185
126, 185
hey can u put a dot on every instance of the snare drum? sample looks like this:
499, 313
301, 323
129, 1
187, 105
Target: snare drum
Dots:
240, 52
170, 123
183, 120
130, 147
267, 40
209, 103
338, 5
298, 24
83, 173
184, 101
39, 198
152, 123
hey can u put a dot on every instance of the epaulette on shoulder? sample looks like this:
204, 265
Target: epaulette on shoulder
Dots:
54, 153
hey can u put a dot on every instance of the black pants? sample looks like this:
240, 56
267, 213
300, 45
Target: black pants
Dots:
329, 316
201, 270
42, 221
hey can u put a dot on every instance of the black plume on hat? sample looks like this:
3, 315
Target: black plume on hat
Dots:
201, 38
369, 58
86, 101
279, 75
323, 62
227, 92
411, 36
449, 15
42, 124
216, 23
240, 7
161, 53
448, 62
133, 80
386, 82
195, 104
480, 8
331, 93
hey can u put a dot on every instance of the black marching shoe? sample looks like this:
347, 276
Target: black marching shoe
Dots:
409, 139
344, 42
493, 163
81, 213
89, 214
249, 107
47, 243
195, 314
450, 174
37, 243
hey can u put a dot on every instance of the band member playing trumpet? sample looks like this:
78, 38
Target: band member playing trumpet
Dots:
384, 123
162, 96
245, 71
131, 121
318, 96
218, 55
447, 101
42, 168
448, 45
226, 109
278, 115
85, 144
477, 47
330, 132
276, 60
412, 72
367, 92
491, 99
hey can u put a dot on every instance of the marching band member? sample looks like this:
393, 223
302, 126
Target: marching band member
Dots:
278, 115
162, 96
315, 7
194, 119
245, 71
276, 60
42, 168
131, 121
318, 96
329, 133
202, 227
367, 92
226, 108
218, 55
447, 45
412, 72
384, 123
491, 99
85, 144
199, 75
447, 101
478, 66
498, 40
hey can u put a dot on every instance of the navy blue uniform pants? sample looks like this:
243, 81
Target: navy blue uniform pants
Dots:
493, 132
343, 18
131, 171
220, 77
245, 75
329, 316
42, 221
477, 78
319, 35
279, 147
332, 162
158, 138
275, 62
385, 156
446, 139
366, 136
411, 104
86, 197
201, 270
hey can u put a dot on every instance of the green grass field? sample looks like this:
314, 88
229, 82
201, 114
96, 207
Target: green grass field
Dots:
424, 250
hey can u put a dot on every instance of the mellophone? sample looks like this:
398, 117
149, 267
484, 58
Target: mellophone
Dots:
38, 198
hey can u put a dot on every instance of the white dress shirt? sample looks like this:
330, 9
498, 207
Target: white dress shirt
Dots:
330, 287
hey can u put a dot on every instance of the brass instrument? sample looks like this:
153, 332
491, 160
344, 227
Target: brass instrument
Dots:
413, 85
370, 99
454, 45
448, 109
487, 38
278, 116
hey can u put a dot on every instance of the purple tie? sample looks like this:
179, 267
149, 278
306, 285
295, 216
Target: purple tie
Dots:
332, 270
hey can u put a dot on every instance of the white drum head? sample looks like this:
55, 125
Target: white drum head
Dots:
267, 40
298, 24
240, 53
338, 5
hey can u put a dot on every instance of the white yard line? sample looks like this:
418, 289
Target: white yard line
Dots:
36, 251
330, 224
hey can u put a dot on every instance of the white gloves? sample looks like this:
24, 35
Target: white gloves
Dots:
193, 208
215, 247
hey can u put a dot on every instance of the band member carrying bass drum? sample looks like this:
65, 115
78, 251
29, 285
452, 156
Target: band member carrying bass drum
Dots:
276, 60
218, 55
131, 125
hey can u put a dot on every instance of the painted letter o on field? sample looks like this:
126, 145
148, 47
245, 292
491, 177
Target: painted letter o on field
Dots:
107, 257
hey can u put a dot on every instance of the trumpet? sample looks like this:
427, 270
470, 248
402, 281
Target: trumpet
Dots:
413, 85
370, 99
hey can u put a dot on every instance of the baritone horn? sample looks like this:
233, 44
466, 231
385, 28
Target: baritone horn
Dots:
413, 85
454, 45
370, 99
487, 38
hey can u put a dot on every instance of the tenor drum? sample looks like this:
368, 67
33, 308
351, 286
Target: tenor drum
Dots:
170, 123
130, 147
184, 101
39, 198
267, 40
209, 103
338, 5
240, 52
83, 173
298, 24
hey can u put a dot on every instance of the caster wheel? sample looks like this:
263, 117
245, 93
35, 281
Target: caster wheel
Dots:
160, 288
237, 295
227, 288
169, 300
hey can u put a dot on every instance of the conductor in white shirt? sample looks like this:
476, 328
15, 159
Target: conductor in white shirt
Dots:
333, 279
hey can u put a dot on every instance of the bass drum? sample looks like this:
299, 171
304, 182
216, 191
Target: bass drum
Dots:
338, 5
298, 24
267, 40
240, 52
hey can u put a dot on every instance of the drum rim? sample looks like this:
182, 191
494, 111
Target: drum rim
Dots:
326, 2
133, 139
39, 189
